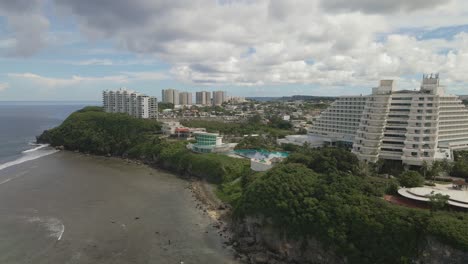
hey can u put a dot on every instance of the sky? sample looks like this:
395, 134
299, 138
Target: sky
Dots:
74, 49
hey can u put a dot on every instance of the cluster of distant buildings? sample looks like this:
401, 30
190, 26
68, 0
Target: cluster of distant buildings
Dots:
202, 98
143, 106
205, 142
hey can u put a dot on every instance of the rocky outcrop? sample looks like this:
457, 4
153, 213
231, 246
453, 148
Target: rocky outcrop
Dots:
435, 252
258, 242
257, 239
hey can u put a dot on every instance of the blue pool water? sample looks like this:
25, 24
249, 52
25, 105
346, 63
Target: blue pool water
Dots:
260, 154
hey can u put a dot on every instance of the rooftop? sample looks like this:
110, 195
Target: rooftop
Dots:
458, 198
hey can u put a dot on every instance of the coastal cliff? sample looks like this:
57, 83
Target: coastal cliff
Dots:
260, 242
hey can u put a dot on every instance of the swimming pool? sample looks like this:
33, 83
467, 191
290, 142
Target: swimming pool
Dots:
260, 154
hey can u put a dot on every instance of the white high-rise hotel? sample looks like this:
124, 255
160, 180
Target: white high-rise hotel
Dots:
127, 101
411, 126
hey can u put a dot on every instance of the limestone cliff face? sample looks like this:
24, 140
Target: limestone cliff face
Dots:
261, 243
435, 252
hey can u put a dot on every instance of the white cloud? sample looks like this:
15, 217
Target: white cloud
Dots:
28, 26
278, 42
4, 86
51, 82
263, 42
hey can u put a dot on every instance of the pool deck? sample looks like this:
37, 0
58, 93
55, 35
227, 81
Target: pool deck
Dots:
458, 198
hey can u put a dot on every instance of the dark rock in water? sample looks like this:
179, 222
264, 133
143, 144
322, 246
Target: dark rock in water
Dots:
247, 241
260, 258
136, 218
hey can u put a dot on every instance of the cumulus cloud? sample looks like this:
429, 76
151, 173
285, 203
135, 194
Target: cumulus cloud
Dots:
372, 6
262, 42
4, 86
27, 24
53, 82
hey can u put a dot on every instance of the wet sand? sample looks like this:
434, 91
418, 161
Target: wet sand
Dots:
71, 208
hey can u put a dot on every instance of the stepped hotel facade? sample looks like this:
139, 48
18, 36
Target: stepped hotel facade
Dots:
414, 127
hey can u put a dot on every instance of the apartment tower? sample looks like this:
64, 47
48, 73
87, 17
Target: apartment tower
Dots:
203, 98
170, 96
185, 98
219, 97
130, 102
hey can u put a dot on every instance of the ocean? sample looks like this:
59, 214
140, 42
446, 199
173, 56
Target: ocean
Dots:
21, 122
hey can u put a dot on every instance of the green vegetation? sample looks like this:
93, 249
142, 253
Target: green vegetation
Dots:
277, 122
326, 160
346, 213
257, 142
162, 106
252, 126
336, 209
460, 166
438, 201
322, 193
411, 179
92, 130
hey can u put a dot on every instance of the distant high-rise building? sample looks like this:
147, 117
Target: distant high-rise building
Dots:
170, 96
203, 98
219, 97
130, 102
185, 98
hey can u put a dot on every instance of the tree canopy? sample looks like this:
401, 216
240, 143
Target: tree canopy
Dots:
411, 179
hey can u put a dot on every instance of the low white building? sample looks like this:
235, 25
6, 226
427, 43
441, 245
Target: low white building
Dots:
299, 140
168, 128
263, 164
260, 164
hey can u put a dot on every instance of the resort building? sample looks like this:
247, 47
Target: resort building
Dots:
209, 143
203, 98
168, 128
412, 126
340, 121
170, 96
127, 101
175, 129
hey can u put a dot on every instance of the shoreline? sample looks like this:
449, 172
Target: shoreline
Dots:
206, 201
107, 205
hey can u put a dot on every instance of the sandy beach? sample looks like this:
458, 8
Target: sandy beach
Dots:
73, 208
